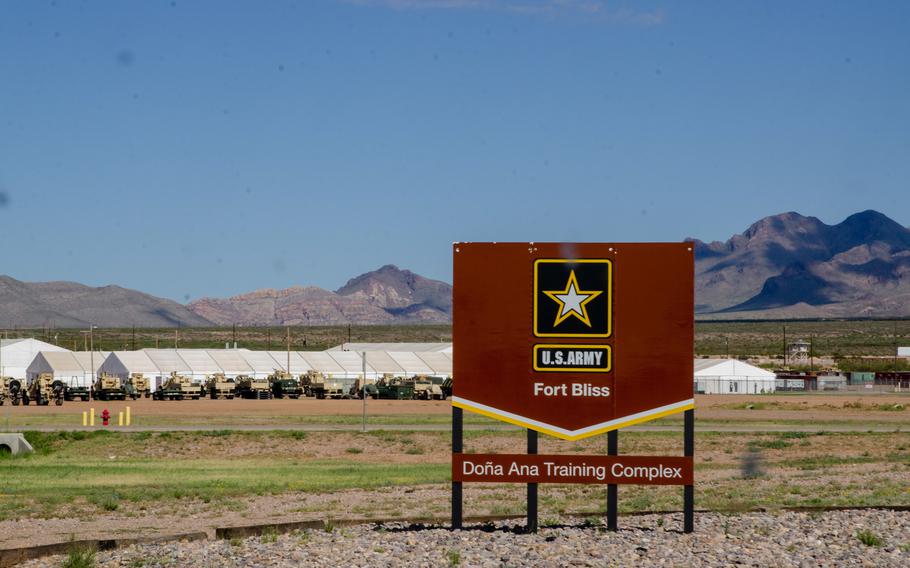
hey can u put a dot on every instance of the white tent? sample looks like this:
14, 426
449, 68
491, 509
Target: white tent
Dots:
421, 347
382, 363
321, 361
351, 362
411, 363
439, 361
201, 364
903, 351
231, 362
263, 364
124, 363
63, 365
17, 354
88, 358
299, 365
730, 376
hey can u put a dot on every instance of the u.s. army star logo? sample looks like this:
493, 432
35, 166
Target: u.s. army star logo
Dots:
573, 298
572, 302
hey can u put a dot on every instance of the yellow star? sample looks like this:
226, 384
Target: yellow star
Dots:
572, 301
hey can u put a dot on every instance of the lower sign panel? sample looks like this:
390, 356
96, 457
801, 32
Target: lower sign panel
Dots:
524, 468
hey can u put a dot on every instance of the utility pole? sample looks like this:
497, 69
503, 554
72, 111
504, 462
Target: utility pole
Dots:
268, 335
91, 335
811, 353
726, 347
234, 335
176, 337
785, 346
363, 391
349, 333
134, 337
289, 349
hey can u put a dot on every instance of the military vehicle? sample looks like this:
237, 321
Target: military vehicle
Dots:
218, 386
285, 385
15, 391
71, 393
357, 391
108, 387
447, 387
43, 389
178, 387
394, 388
426, 389
137, 386
4, 389
316, 384
251, 387
313, 384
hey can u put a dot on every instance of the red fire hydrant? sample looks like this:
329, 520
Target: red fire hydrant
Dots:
105, 416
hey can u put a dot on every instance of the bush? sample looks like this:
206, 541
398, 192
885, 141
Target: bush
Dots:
869, 538
80, 558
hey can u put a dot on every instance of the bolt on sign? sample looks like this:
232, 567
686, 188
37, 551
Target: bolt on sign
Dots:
573, 340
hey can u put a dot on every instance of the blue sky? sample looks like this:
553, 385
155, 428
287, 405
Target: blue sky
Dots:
196, 148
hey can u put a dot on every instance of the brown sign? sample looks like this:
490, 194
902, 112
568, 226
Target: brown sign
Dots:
521, 468
573, 339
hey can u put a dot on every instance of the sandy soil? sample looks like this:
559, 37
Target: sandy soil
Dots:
848, 407
723, 452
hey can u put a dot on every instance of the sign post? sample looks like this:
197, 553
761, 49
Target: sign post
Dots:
573, 340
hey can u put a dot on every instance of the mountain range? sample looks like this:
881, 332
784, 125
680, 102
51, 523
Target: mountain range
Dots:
783, 266
792, 266
69, 304
383, 296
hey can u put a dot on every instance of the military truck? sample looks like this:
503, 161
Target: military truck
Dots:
394, 388
71, 393
313, 384
43, 389
137, 386
218, 386
251, 387
178, 387
426, 389
108, 387
285, 385
357, 391
447, 387
15, 390
316, 384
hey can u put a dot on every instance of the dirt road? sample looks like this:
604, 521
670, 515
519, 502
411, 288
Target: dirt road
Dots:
809, 409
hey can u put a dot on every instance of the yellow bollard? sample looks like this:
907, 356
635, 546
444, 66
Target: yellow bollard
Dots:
120, 418
91, 416
127, 415
84, 418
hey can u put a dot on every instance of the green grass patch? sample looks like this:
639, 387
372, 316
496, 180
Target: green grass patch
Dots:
869, 538
80, 557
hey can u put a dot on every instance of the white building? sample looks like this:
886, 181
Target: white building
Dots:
17, 354
903, 351
730, 376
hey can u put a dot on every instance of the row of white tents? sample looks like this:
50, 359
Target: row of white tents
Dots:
26, 358
75, 368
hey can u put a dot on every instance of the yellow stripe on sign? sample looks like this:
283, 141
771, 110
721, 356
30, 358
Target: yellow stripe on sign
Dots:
625, 424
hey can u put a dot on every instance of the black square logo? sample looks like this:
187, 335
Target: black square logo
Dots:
573, 298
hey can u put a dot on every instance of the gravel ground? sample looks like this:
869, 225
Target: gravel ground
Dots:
758, 539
